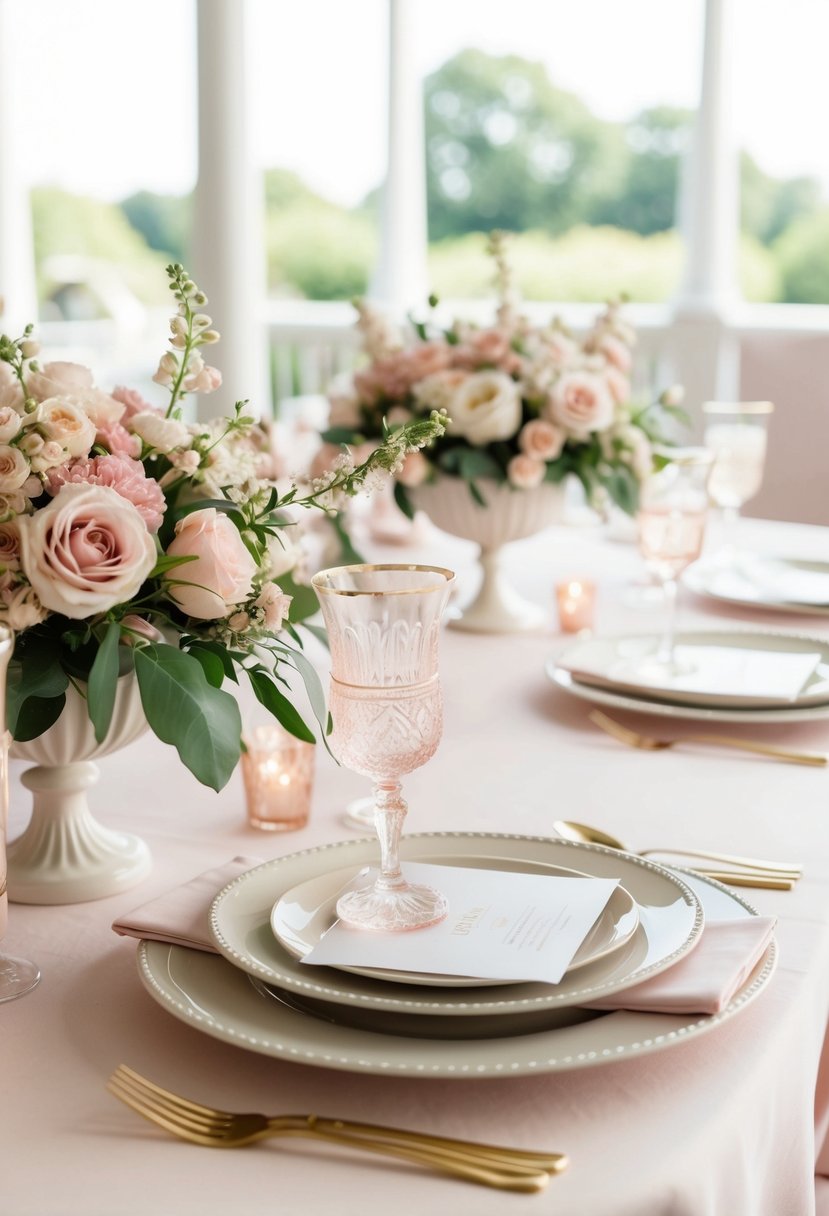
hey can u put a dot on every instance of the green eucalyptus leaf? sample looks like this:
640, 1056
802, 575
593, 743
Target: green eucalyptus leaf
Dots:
277, 703
36, 715
37, 673
313, 685
103, 682
212, 665
182, 708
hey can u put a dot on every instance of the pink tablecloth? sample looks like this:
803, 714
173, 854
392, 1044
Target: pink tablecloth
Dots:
726, 1124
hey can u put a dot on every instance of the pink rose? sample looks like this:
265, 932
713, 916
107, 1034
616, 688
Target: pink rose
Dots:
415, 470
10, 545
618, 384
222, 574
85, 552
524, 472
57, 379
615, 351
486, 348
541, 439
581, 402
133, 403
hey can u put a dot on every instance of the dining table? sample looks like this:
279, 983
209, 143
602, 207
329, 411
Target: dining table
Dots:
729, 1122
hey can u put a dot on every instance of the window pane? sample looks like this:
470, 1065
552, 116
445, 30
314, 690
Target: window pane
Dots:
565, 126
319, 77
780, 99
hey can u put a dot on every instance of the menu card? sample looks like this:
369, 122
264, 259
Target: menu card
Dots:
501, 926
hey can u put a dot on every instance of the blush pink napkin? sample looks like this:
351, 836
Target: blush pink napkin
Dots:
180, 916
704, 981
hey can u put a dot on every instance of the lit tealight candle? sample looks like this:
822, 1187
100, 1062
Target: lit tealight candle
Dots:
278, 772
576, 598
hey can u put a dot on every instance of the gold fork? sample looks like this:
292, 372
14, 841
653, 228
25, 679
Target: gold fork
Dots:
648, 744
487, 1164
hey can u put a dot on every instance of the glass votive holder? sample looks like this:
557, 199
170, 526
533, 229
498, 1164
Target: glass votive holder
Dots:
576, 600
278, 772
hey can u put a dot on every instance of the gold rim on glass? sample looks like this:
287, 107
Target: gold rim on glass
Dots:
738, 407
366, 567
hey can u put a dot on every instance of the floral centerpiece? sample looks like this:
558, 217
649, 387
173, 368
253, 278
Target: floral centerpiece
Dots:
528, 403
132, 540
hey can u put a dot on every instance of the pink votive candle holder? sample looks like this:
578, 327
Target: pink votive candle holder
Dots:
576, 600
278, 772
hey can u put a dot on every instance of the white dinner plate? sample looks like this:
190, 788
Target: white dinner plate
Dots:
615, 665
302, 915
666, 709
758, 582
220, 1000
670, 923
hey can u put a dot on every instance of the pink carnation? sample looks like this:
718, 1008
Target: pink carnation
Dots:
392, 378
118, 440
486, 348
120, 473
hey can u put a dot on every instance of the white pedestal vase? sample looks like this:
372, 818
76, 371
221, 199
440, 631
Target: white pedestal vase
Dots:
65, 856
509, 515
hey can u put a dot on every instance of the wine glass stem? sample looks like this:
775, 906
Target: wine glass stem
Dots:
389, 813
666, 646
730, 519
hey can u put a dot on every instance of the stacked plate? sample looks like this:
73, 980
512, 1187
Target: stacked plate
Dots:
734, 675
781, 584
259, 994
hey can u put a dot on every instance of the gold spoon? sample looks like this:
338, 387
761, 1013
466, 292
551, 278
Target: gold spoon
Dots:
755, 873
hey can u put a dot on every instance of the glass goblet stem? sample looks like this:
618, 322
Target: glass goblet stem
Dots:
389, 813
665, 654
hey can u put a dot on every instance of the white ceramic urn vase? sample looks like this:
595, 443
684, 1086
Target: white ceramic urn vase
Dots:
509, 515
65, 856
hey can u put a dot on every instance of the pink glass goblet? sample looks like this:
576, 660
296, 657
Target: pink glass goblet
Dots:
386, 706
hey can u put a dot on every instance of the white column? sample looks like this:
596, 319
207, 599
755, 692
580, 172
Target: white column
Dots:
705, 352
400, 280
17, 263
228, 250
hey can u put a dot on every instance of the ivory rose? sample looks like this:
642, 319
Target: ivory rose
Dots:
524, 472
486, 408
223, 572
86, 551
10, 422
9, 545
19, 606
58, 378
161, 434
581, 402
63, 420
14, 468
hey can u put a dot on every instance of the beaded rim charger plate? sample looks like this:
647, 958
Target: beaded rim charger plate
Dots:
220, 1000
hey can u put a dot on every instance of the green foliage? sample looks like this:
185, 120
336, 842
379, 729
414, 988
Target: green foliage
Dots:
319, 251
183, 708
506, 149
65, 223
162, 219
103, 682
803, 254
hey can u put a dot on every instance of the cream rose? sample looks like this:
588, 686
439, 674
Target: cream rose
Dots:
223, 572
19, 606
524, 472
10, 423
86, 551
162, 434
541, 439
57, 379
486, 408
64, 421
581, 402
9, 545
14, 469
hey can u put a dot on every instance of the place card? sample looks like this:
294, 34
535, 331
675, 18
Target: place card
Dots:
501, 926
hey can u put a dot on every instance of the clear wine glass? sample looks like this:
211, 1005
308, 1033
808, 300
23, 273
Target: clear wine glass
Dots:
386, 706
736, 434
673, 505
17, 975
